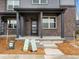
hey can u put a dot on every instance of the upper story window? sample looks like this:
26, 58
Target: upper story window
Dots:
11, 4
49, 22
39, 1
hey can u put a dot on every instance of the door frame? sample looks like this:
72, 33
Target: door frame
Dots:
34, 19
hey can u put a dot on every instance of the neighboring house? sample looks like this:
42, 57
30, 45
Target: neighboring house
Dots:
38, 17
77, 22
77, 25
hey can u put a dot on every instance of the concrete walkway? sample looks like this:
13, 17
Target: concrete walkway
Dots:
61, 57
53, 52
18, 56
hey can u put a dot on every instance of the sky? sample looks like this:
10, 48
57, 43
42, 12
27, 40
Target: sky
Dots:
77, 4
77, 9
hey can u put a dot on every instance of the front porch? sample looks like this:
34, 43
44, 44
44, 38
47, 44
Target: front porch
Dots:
29, 23
34, 25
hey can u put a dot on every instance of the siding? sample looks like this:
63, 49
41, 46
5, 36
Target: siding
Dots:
67, 2
28, 4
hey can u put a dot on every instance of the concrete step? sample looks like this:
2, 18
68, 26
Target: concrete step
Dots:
50, 42
50, 39
39, 46
50, 51
50, 46
45, 38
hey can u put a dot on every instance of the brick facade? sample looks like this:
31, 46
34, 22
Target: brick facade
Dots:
2, 5
69, 21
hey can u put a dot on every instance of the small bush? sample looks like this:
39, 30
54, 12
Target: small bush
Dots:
77, 32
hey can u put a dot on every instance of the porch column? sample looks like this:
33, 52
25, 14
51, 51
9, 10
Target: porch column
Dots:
22, 25
62, 25
18, 24
0, 27
41, 31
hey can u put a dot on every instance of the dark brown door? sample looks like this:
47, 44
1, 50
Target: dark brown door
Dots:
34, 27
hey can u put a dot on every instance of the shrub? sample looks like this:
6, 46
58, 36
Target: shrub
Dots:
77, 32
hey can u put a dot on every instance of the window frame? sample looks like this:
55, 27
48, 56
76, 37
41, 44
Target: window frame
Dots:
13, 5
50, 22
40, 2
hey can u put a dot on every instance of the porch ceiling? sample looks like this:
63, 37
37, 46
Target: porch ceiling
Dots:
7, 13
47, 10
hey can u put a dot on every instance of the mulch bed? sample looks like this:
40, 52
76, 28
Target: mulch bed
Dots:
68, 49
18, 48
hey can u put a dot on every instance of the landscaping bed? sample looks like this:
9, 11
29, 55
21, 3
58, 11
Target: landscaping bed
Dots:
68, 49
18, 48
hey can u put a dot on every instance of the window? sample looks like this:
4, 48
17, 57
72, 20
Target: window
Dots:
49, 22
11, 24
35, 1
39, 1
34, 27
11, 4
43, 1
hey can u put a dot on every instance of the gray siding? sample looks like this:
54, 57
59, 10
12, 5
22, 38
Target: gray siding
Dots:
67, 2
51, 4
28, 4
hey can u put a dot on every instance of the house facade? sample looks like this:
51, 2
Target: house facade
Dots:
37, 17
77, 22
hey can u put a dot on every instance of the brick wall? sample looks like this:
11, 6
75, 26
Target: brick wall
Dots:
2, 5
69, 21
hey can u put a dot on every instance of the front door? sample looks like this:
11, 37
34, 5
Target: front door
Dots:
34, 27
